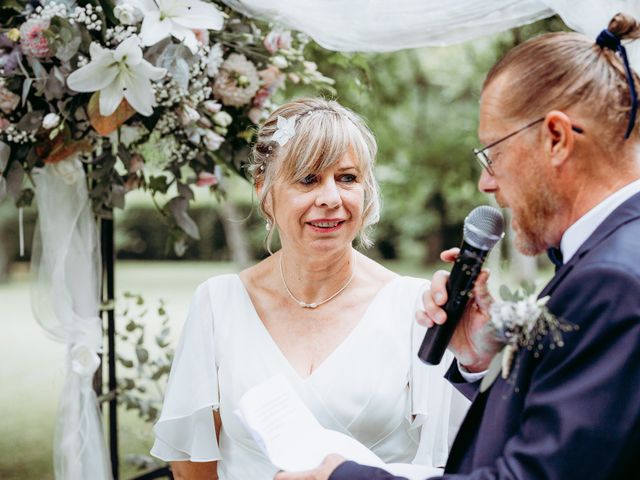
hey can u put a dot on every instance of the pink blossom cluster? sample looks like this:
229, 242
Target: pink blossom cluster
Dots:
32, 37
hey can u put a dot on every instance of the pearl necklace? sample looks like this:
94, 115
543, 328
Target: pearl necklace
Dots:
315, 304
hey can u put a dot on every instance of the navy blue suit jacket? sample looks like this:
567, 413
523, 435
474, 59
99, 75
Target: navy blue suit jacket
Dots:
571, 412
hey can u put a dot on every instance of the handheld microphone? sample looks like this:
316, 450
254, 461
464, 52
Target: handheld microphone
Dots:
483, 228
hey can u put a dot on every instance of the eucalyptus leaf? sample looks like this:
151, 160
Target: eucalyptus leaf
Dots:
185, 192
178, 208
142, 354
31, 121
14, 177
505, 293
493, 372
3, 188
26, 87
5, 151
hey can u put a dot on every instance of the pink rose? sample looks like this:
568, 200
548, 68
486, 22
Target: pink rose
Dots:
206, 179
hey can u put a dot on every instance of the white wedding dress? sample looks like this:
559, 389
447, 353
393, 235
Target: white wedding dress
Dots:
372, 387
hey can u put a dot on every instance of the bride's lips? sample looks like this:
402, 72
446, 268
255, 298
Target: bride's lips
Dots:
325, 225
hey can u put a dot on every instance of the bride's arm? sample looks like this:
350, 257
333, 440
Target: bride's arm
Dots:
198, 470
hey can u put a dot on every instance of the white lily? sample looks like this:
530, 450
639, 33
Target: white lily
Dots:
163, 18
117, 74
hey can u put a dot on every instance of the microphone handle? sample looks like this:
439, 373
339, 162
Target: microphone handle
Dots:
460, 284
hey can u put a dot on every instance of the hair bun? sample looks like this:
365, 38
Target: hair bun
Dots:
623, 26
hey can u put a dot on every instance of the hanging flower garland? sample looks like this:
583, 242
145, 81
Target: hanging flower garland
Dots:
161, 95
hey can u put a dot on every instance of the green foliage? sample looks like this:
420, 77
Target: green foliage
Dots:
145, 364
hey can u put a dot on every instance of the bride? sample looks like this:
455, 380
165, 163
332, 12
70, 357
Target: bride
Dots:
338, 325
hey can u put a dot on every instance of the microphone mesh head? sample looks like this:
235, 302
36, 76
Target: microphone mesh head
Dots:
483, 227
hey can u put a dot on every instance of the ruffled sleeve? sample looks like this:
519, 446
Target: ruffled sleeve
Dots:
185, 430
437, 408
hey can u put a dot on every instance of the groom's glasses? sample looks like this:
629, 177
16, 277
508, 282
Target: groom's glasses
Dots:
482, 154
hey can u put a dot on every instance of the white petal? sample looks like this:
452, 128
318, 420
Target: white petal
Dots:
110, 98
153, 30
201, 16
129, 48
92, 77
186, 36
139, 94
145, 69
99, 54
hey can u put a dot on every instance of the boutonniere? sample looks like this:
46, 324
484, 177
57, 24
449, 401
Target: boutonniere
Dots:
521, 320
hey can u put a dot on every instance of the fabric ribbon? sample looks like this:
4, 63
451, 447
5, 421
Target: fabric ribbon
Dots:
65, 302
609, 40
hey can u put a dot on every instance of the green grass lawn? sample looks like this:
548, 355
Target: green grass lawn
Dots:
31, 365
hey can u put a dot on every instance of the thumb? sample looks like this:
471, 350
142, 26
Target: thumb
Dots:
481, 291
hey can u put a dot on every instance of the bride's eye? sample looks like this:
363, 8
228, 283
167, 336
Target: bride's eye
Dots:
348, 178
309, 179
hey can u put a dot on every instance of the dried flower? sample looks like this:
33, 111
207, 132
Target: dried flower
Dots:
212, 140
128, 13
8, 100
214, 60
223, 119
32, 37
9, 52
188, 115
237, 82
212, 106
277, 39
50, 121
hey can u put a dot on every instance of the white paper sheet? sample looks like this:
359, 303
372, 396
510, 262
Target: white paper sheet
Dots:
294, 440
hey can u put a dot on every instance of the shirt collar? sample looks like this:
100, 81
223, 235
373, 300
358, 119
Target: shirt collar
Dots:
581, 230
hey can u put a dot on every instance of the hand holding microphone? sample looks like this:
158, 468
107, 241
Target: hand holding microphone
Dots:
450, 295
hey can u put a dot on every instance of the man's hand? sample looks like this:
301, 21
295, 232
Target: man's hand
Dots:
322, 472
471, 346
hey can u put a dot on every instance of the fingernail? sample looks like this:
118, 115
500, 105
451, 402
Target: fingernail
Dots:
441, 317
439, 297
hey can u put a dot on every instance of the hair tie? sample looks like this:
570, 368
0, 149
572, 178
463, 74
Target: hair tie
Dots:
610, 40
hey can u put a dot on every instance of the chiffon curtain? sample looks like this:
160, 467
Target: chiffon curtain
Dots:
388, 25
65, 302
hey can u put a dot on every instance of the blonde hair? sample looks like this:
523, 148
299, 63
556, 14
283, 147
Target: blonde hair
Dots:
561, 70
324, 132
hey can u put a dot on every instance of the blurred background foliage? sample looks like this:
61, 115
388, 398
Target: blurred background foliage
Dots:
421, 104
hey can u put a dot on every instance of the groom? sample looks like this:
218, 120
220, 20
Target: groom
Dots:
557, 116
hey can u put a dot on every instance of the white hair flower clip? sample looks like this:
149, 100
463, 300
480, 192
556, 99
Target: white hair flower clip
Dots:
286, 129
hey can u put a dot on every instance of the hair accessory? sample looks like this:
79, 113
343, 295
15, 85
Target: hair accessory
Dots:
610, 40
316, 304
286, 129
261, 167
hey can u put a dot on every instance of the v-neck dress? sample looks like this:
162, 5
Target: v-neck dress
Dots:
371, 387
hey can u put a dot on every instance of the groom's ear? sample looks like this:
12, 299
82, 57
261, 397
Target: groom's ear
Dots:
558, 137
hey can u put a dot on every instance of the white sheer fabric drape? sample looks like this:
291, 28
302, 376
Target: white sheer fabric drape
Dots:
65, 301
387, 25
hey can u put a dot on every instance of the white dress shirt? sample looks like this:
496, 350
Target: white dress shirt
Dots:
577, 234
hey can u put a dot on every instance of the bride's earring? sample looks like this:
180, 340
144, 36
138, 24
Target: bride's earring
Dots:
268, 225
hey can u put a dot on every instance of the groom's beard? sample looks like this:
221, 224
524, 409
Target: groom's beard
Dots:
533, 215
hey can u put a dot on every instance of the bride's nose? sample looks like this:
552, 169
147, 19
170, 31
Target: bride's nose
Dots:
328, 194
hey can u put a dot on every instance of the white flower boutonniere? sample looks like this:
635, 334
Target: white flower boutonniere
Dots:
286, 129
521, 320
